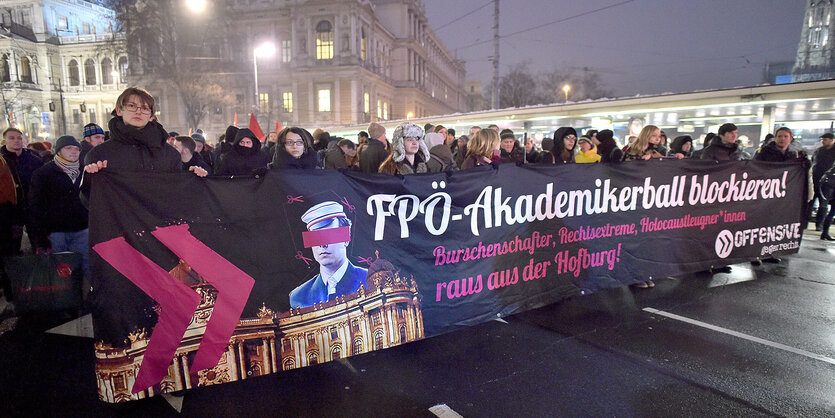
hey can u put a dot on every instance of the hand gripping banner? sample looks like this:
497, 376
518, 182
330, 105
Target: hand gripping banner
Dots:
204, 281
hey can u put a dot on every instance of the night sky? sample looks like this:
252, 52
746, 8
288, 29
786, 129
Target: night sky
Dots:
640, 47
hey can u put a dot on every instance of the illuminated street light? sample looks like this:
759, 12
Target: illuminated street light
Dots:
196, 6
265, 50
566, 88
410, 115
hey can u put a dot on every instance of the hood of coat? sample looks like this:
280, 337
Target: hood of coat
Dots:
559, 134
678, 144
246, 133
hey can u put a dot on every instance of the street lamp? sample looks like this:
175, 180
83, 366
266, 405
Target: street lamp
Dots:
196, 6
265, 50
566, 88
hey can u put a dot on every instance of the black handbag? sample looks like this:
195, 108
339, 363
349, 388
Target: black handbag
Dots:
45, 282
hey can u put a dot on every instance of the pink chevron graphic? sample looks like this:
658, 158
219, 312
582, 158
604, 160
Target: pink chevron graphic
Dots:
232, 283
176, 300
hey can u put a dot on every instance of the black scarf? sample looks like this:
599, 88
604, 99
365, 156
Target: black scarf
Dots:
283, 159
152, 136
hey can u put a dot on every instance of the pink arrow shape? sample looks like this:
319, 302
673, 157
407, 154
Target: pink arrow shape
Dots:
177, 302
232, 283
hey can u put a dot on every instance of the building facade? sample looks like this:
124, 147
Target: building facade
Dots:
816, 50
59, 69
336, 63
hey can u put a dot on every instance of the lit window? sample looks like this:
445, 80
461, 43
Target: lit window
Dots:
379, 109
106, 71
366, 102
90, 72
264, 102
363, 43
25, 70
385, 110
287, 99
123, 69
73, 73
324, 40
324, 100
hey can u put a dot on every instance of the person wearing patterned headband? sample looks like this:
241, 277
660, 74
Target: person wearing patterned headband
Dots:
328, 234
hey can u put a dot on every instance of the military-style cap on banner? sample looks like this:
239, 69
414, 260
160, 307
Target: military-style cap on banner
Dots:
322, 230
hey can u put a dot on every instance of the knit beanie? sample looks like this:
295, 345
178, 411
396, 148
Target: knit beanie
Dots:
65, 141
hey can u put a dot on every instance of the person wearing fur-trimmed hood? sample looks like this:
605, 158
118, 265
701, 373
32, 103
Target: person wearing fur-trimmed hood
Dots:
409, 153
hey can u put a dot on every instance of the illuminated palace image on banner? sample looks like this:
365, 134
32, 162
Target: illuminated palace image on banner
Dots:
385, 312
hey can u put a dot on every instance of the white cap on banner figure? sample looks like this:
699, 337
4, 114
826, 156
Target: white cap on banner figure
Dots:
328, 235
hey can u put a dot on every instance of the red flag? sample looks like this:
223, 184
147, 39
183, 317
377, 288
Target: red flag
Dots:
235, 122
277, 126
255, 128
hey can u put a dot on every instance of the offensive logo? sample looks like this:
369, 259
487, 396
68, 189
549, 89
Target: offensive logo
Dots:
727, 241
724, 244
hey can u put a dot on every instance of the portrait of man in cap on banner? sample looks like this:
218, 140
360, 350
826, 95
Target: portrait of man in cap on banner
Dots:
328, 234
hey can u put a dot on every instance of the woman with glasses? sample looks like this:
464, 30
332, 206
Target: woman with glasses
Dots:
137, 140
294, 149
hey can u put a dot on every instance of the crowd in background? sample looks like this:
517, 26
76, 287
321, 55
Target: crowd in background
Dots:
42, 187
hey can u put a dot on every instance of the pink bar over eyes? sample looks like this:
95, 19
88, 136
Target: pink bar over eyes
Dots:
326, 236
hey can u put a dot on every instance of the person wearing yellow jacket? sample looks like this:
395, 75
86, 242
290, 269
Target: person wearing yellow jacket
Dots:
587, 152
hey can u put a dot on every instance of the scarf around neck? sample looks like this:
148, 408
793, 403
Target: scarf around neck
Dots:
68, 167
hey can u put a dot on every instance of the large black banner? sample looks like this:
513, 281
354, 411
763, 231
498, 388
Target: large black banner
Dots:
204, 281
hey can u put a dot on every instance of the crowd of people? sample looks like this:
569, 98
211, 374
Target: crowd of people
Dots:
42, 187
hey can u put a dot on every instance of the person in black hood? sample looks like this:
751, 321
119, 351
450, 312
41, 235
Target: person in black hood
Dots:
225, 146
682, 145
545, 156
245, 157
137, 141
565, 139
294, 149
607, 148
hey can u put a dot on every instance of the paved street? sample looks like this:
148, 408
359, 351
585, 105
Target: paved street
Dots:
759, 341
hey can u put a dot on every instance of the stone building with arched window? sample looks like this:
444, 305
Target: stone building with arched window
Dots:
53, 66
816, 51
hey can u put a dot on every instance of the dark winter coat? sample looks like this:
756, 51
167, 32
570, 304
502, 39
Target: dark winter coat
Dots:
720, 151
134, 149
771, 153
22, 167
208, 158
335, 158
533, 156
516, 155
609, 152
56, 203
823, 159
473, 160
373, 155
197, 161
441, 159
85, 148
242, 161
